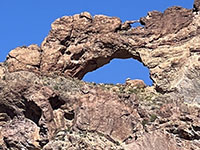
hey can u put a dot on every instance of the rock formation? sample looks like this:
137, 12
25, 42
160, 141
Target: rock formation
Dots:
45, 105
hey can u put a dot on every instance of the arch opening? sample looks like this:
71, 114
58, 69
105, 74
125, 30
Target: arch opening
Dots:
118, 70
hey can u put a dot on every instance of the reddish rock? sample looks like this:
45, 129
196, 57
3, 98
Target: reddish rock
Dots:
154, 141
135, 83
103, 112
21, 133
44, 105
196, 5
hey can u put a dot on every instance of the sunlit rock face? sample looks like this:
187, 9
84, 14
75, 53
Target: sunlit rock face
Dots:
45, 105
168, 45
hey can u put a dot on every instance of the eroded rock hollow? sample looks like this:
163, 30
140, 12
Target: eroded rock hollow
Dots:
45, 105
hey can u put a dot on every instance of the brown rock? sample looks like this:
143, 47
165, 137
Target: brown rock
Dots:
71, 140
196, 5
135, 83
79, 44
92, 109
106, 114
127, 25
24, 58
154, 141
21, 133
2, 71
41, 106
171, 21
40, 96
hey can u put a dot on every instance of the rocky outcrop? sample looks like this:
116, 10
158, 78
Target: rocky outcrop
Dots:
45, 105
196, 5
168, 45
52, 111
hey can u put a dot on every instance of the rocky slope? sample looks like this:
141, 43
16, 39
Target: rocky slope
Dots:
45, 105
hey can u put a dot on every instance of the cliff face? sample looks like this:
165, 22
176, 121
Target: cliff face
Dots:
45, 105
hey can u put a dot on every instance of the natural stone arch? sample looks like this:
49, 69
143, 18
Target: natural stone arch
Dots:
172, 56
101, 61
82, 43
119, 71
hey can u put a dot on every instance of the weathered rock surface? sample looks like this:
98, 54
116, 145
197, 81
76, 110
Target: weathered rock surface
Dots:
196, 5
168, 45
45, 105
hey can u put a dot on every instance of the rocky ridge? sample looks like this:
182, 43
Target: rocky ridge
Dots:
45, 105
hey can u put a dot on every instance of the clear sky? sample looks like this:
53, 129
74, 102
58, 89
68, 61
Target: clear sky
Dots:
25, 22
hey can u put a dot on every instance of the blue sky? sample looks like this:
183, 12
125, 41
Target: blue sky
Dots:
25, 22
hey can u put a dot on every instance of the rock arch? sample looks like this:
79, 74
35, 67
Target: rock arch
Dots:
118, 71
82, 43
96, 63
168, 45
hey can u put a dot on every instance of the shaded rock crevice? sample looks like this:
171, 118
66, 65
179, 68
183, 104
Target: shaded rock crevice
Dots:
7, 110
56, 102
32, 112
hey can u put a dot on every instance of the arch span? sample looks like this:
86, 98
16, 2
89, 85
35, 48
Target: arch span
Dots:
118, 70
102, 60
